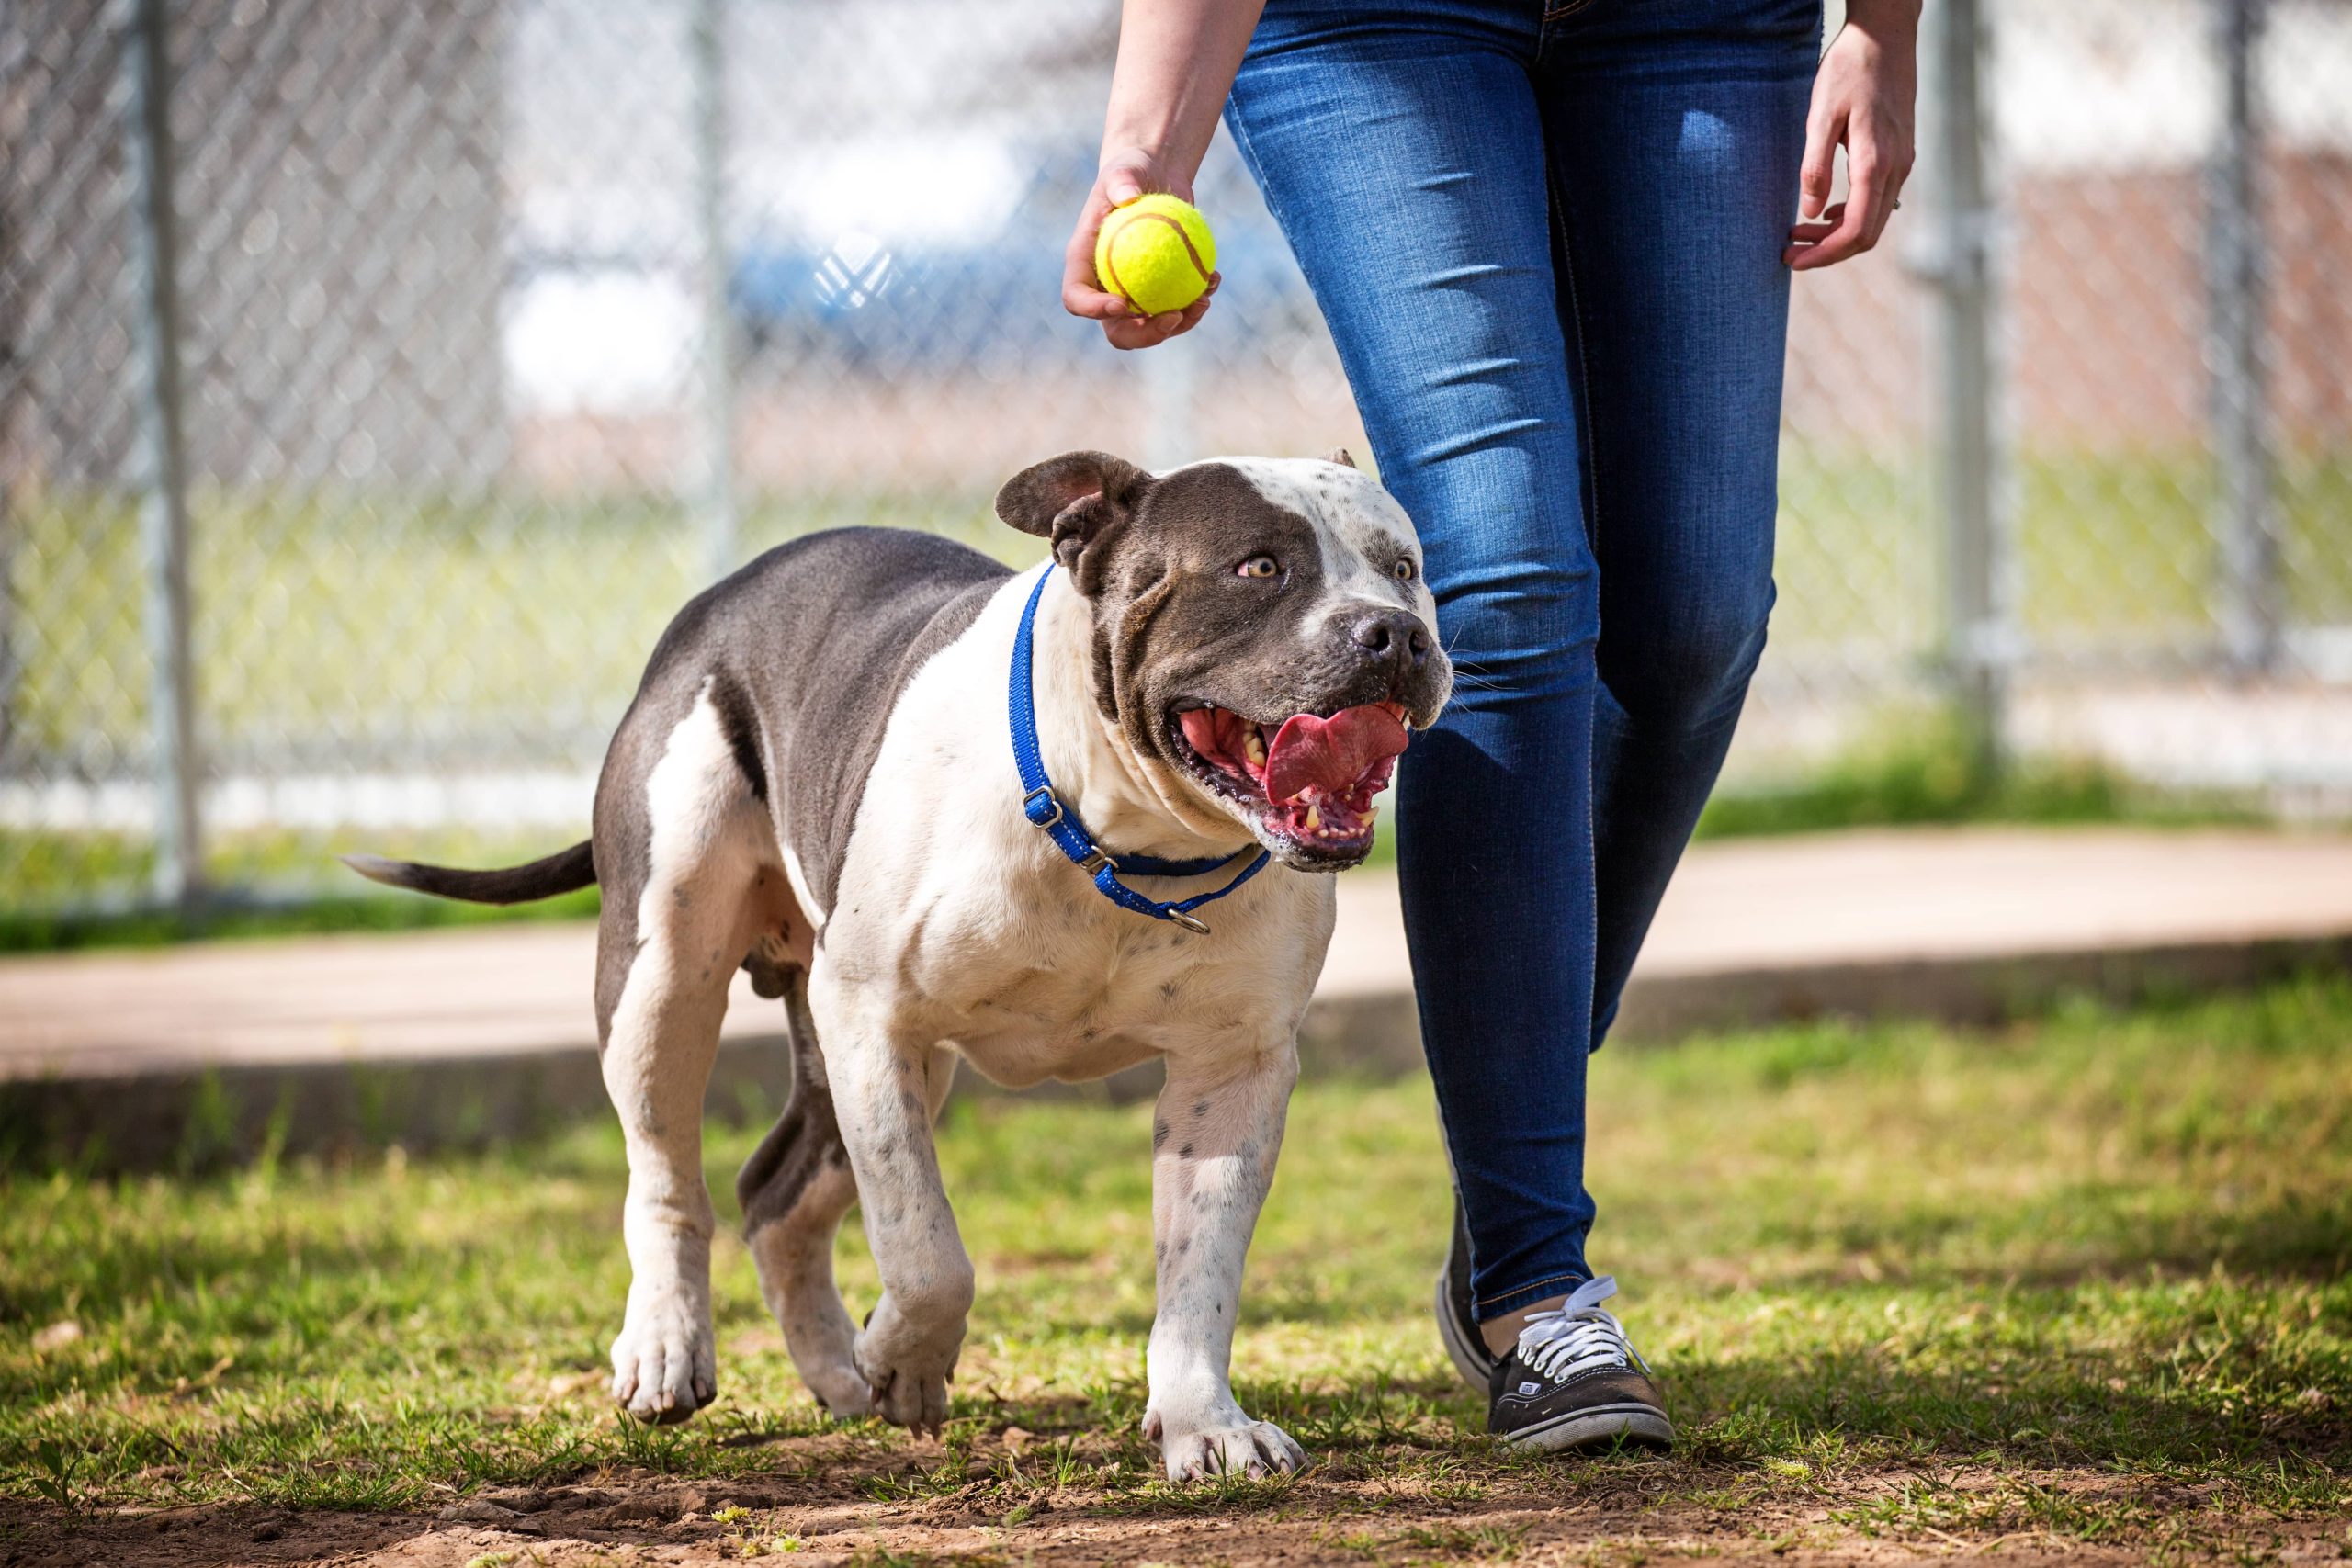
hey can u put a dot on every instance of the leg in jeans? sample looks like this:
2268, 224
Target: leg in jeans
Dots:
1535, 244
1677, 127
1402, 151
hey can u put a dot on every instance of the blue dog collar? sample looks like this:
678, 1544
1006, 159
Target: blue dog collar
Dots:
1045, 809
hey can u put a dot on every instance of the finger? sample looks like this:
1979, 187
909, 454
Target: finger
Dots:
1143, 331
1193, 314
1129, 332
1898, 171
1808, 242
1082, 293
1812, 231
1085, 299
1122, 184
1853, 233
1881, 196
1866, 173
1822, 132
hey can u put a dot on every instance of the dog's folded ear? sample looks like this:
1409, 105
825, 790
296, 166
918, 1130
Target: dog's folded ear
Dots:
1079, 500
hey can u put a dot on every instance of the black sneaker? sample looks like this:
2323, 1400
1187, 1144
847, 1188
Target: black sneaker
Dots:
1575, 1381
1455, 1325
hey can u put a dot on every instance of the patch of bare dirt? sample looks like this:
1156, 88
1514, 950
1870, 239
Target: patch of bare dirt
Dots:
816, 1506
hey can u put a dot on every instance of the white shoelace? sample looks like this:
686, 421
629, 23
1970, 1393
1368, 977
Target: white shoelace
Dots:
1578, 1336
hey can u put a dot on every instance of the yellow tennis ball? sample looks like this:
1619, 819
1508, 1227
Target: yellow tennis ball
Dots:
1156, 253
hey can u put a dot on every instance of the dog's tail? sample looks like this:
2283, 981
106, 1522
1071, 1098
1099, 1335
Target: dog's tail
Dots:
563, 871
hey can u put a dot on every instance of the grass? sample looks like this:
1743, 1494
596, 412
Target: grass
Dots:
2084, 1281
1918, 769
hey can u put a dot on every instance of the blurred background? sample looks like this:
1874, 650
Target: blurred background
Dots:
378, 377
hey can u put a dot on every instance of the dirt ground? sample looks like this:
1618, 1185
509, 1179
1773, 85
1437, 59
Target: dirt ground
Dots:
824, 1502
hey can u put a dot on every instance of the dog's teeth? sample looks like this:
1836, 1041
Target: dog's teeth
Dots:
1314, 818
1253, 746
1370, 815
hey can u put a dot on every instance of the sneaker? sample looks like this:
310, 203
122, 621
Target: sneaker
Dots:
1455, 1325
1575, 1381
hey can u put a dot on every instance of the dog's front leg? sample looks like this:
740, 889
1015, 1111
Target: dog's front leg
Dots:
1213, 1141
886, 1088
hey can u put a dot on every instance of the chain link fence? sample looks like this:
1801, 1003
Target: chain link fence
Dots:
377, 379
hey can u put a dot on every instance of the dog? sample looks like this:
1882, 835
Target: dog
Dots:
1054, 823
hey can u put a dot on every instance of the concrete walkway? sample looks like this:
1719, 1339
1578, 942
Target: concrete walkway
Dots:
1791, 905
1963, 924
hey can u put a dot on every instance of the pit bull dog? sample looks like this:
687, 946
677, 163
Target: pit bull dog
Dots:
945, 811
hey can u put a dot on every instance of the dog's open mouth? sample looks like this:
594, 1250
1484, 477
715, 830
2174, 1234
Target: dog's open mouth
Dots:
1309, 780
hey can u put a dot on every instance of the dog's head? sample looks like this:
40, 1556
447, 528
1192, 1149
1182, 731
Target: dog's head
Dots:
1262, 631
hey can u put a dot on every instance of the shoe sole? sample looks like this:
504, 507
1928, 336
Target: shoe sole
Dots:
1598, 1428
1473, 1360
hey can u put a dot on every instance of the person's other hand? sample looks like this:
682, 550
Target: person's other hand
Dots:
1125, 176
1863, 99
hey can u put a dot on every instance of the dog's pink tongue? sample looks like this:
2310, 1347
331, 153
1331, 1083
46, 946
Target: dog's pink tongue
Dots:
1329, 754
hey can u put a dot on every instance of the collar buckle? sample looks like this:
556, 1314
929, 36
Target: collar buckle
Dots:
1047, 814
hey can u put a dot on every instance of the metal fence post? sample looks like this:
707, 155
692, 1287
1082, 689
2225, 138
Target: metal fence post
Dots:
164, 523
1170, 382
2249, 545
714, 460
1975, 649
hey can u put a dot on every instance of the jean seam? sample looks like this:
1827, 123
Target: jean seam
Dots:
1588, 471
1479, 1304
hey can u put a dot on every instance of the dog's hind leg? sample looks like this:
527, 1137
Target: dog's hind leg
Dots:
888, 1085
795, 1190
684, 847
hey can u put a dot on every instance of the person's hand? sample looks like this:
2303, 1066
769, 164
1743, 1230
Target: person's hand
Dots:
1863, 99
1125, 176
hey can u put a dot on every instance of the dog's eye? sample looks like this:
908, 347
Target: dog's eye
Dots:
1403, 571
1259, 566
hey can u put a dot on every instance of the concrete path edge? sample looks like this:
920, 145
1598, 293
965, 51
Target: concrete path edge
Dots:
229, 1116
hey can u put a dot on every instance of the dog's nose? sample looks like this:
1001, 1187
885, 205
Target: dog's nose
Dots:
1395, 635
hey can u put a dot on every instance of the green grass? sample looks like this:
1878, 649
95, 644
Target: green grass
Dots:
2085, 1280
1918, 769
286, 861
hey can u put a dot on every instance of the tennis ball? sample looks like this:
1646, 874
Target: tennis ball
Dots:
1156, 253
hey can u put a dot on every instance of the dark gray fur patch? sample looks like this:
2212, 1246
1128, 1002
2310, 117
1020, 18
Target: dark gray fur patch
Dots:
806, 1141
807, 650
803, 651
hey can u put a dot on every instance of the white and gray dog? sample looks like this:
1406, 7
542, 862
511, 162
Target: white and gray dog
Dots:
863, 767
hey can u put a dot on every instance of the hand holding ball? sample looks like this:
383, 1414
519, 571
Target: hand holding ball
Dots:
1156, 253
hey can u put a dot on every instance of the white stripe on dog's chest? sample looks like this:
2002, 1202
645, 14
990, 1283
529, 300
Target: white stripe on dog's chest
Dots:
968, 917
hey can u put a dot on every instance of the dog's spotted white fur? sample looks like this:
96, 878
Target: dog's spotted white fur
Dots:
955, 921
1360, 530
959, 922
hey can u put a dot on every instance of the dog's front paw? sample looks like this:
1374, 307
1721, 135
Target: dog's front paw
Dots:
665, 1366
907, 1367
1226, 1444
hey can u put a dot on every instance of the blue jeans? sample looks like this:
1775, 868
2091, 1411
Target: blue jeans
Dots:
1547, 241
